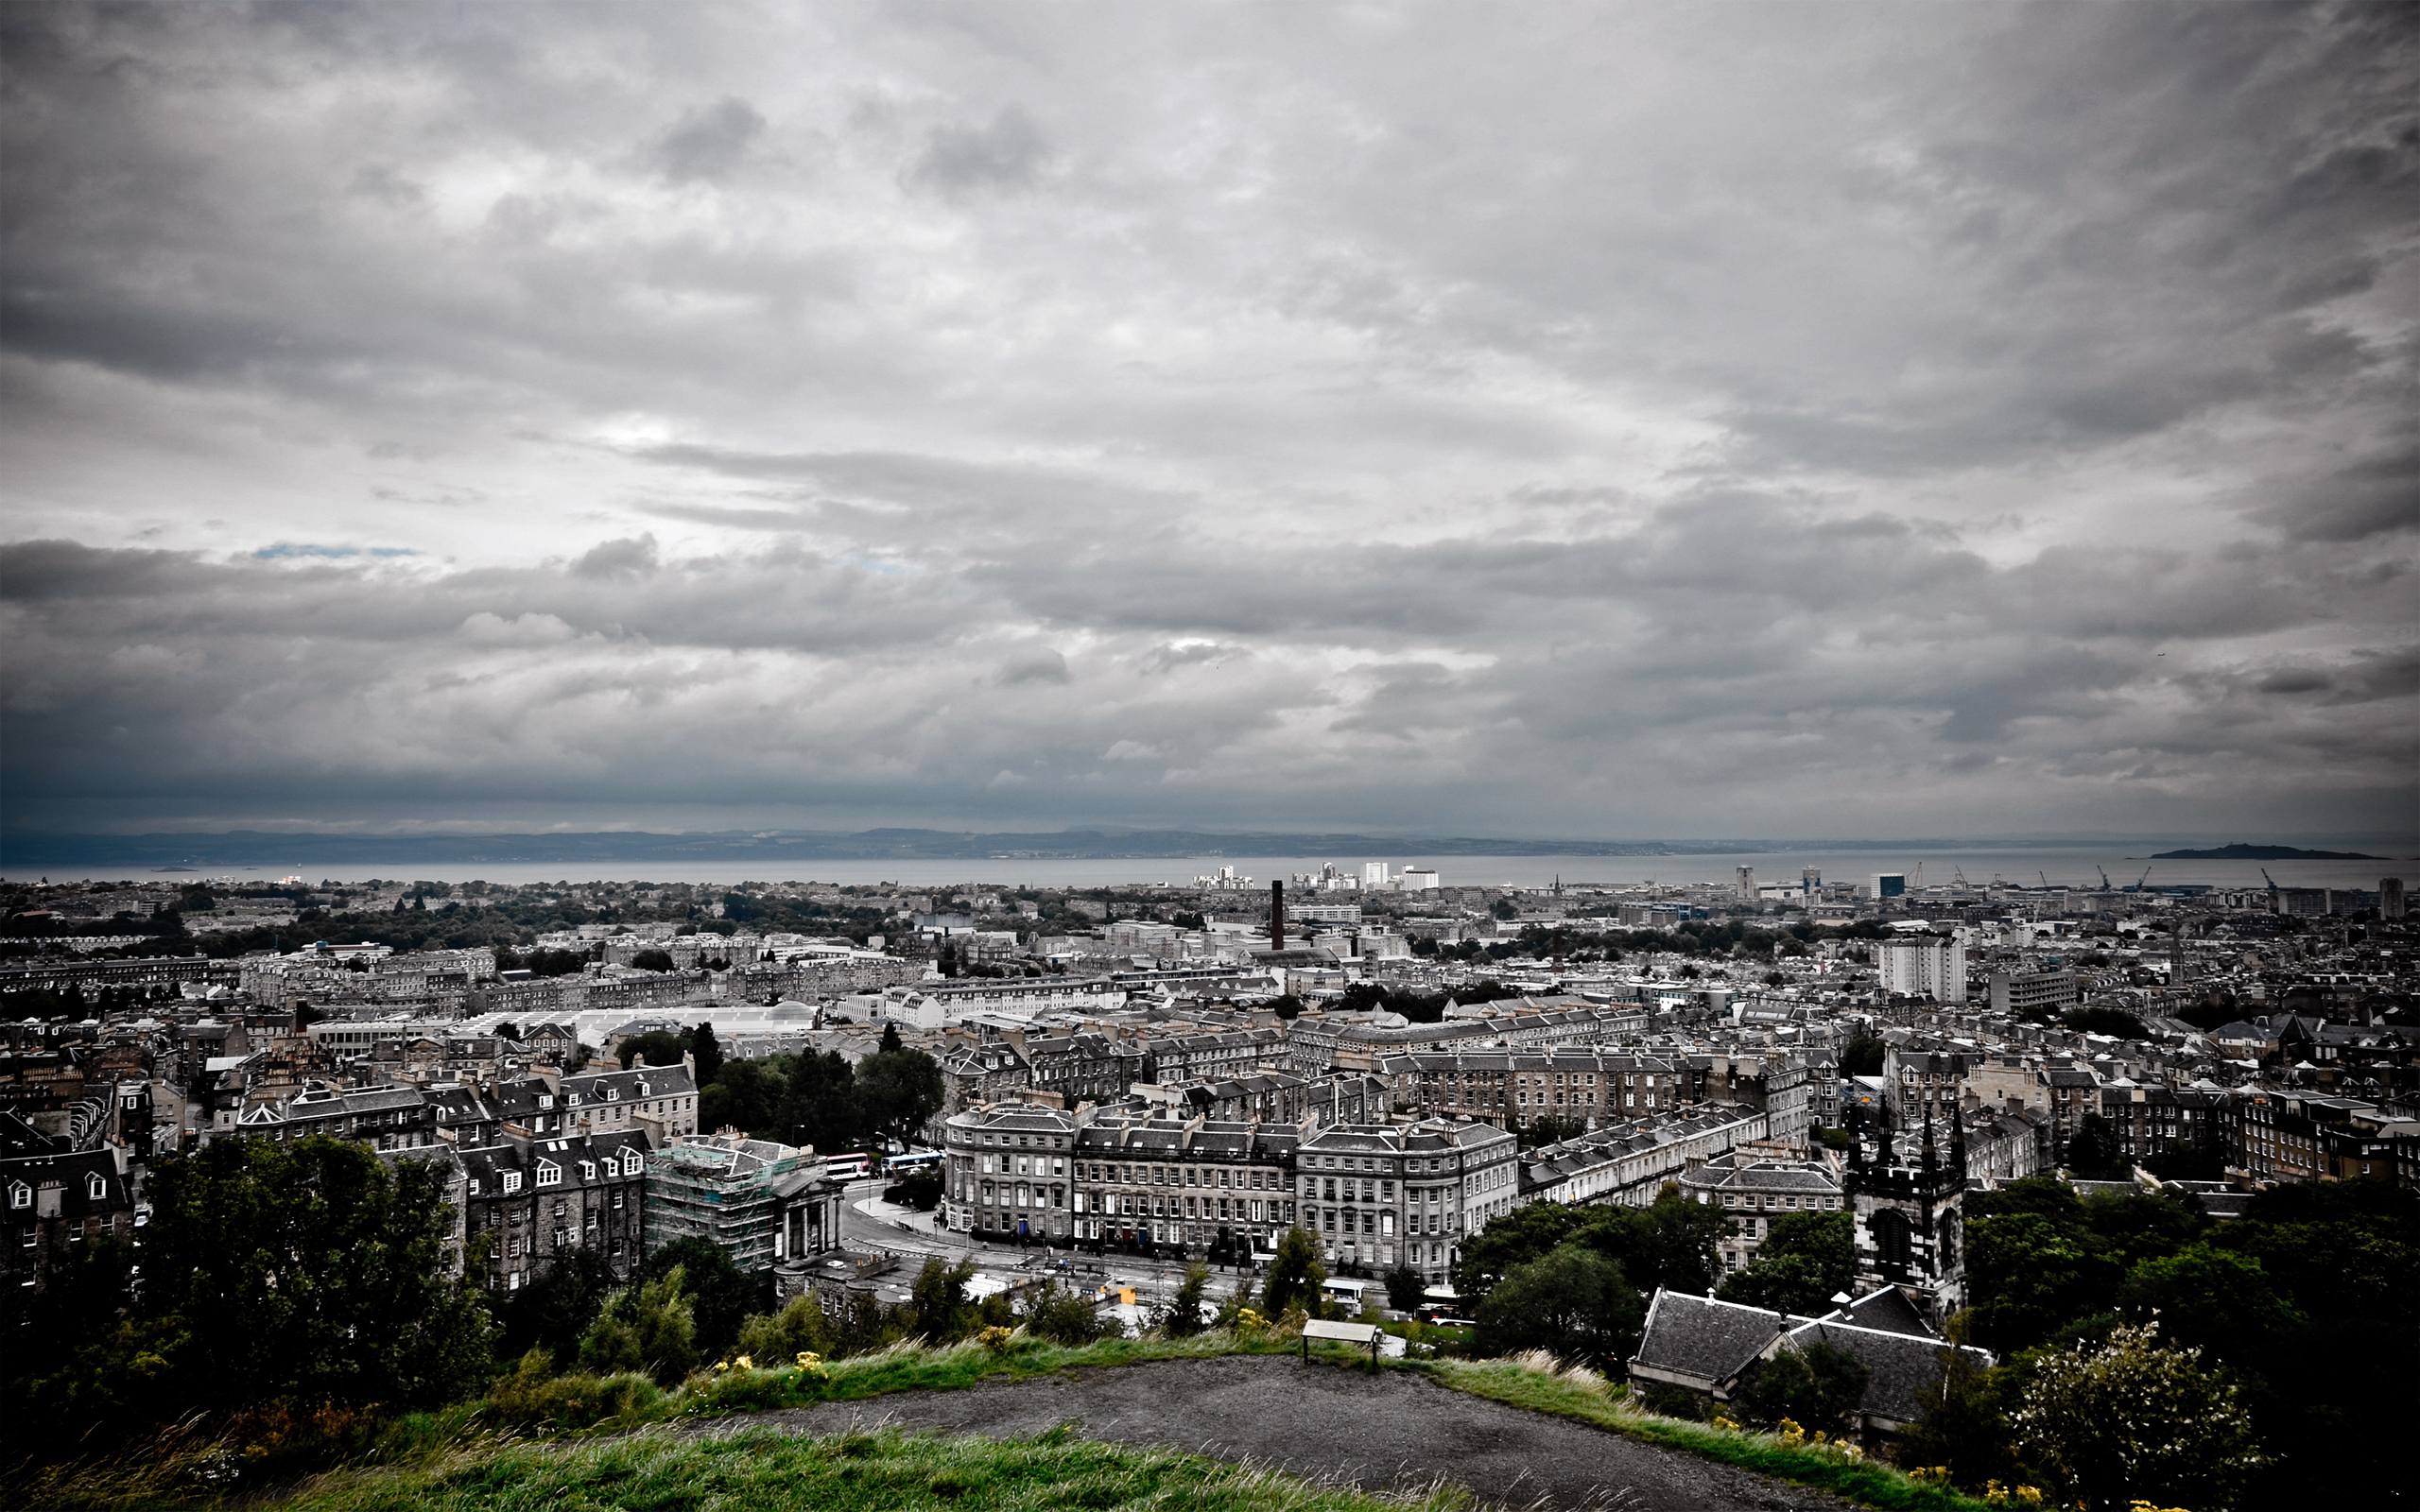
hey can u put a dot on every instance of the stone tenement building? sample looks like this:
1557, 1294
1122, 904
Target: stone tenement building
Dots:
534, 1199
1376, 1194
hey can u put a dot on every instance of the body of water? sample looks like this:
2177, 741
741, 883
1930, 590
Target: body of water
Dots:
2074, 868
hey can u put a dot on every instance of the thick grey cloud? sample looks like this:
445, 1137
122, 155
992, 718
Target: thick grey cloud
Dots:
1655, 419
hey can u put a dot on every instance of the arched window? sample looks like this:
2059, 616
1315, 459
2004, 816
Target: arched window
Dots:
1891, 1239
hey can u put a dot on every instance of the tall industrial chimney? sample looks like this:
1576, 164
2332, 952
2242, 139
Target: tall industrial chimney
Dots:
1277, 915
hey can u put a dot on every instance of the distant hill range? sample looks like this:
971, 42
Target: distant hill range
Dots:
2262, 852
238, 847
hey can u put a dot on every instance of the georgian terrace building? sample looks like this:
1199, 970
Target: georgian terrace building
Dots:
1378, 1196
1755, 1190
1219, 1187
1005, 1171
1630, 1163
1374, 1194
1321, 1042
1514, 1089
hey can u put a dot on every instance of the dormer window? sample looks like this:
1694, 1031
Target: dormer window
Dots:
588, 1170
631, 1165
511, 1182
20, 1195
96, 1186
612, 1095
549, 1172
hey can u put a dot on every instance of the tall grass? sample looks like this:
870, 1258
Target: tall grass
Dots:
764, 1472
200, 1461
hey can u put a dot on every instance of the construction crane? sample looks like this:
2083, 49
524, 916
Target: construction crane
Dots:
2139, 881
1959, 872
2105, 884
2046, 879
2272, 890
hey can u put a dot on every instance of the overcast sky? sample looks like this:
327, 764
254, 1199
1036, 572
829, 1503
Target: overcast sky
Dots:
1609, 421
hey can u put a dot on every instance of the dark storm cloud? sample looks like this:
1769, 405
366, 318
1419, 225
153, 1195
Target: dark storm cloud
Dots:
1662, 419
708, 144
1007, 153
2370, 498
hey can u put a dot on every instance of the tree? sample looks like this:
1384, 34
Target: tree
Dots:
1295, 1275
938, 1301
2116, 1023
1064, 1317
707, 1052
2031, 1276
1405, 1287
899, 1091
649, 1327
747, 1096
1802, 1264
2135, 1420
1862, 1056
657, 1047
557, 1307
1552, 1128
652, 960
1817, 1387
1671, 1243
1963, 1421
1571, 1302
1513, 1239
890, 1038
1181, 1317
2212, 1300
799, 1327
309, 1271
2093, 1152
721, 1294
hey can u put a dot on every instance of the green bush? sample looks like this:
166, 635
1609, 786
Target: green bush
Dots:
531, 1397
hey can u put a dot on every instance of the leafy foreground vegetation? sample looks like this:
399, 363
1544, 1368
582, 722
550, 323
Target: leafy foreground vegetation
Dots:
1535, 1383
585, 1441
201, 1466
763, 1471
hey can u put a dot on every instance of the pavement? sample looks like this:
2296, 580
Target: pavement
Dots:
1390, 1432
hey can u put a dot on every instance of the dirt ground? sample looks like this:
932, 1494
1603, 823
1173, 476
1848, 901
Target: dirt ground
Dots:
1383, 1433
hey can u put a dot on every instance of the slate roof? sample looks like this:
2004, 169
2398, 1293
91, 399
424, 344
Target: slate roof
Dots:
1704, 1340
1898, 1366
1887, 1310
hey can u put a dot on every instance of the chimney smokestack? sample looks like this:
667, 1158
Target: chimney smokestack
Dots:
1277, 915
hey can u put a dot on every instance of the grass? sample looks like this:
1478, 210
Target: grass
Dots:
203, 1464
549, 1445
1537, 1384
764, 1472
948, 1368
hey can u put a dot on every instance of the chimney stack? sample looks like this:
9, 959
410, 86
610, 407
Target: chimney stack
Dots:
1277, 915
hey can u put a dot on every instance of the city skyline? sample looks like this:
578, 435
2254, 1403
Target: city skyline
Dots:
1861, 422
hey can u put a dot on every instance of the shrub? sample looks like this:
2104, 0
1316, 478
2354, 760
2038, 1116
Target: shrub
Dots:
531, 1397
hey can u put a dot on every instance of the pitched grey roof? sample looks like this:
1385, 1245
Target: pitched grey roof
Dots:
1898, 1366
1702, 1340
1887, 1310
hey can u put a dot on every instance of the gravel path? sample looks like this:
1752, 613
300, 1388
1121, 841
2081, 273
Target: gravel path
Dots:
1384, 1432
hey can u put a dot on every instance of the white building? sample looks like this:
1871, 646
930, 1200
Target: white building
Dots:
1373, 874
1925, 966
1421, 879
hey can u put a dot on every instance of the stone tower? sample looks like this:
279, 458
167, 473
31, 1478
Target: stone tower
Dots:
1909, 1219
